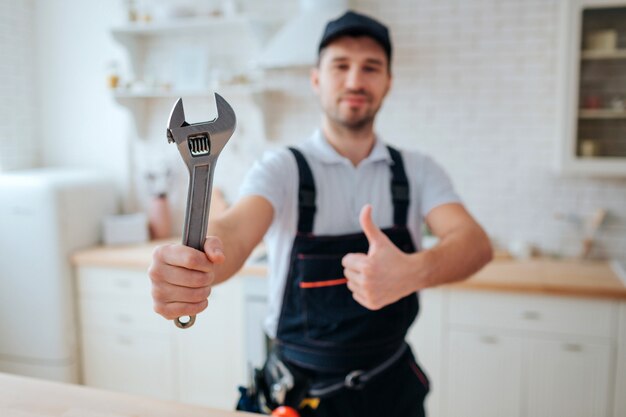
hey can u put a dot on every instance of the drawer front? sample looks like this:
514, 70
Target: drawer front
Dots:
131, 314
113, 282
141, 364
563, 315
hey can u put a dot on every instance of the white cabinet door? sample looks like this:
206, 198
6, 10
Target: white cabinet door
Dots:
128, 362
568, 378
484, 375
212, 355
620, 374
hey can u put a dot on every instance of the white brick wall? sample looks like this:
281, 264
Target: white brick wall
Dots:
17, 123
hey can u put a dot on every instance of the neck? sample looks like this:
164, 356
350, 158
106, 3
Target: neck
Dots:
354, 144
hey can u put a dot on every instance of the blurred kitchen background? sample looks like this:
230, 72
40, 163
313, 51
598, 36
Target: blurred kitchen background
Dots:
479, 85
522, 101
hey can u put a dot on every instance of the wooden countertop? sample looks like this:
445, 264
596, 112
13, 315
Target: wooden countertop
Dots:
137, 257
28, 397
571, 277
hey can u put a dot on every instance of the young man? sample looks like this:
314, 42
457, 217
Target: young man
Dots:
343, 291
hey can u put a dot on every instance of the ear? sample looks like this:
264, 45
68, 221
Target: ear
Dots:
315, 79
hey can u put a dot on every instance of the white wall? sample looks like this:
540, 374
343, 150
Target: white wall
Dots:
475, 86
18, 146
79, 123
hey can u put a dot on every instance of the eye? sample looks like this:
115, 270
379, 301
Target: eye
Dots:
370, 68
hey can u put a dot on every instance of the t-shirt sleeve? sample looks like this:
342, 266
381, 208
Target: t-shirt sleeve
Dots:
269, 178
436, 186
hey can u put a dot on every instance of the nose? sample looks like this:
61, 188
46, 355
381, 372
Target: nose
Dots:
354, 79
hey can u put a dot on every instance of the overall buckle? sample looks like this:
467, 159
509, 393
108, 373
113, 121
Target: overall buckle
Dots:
353, 380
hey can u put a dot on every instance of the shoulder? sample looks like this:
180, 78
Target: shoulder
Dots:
280, 157
419, 165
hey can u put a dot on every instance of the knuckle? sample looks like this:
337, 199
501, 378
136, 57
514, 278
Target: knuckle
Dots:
199, 295
202, 306
154, 272
161, 310
368, 270
188, 259
202, 279
157, 293
159, 253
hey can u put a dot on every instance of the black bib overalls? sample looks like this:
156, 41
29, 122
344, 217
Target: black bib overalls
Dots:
326, 333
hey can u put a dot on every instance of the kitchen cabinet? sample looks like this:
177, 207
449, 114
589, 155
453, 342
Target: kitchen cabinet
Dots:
483, 375
529, 355
620, 369
124, 345
593, 64
521, 338
127, 347
568, 377
212, 359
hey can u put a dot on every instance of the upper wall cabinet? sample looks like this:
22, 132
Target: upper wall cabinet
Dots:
593, 124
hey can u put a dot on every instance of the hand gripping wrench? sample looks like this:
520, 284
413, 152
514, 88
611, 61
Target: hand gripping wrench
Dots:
199, 145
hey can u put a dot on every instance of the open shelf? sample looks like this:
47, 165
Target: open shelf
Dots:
235, 89
179, 25
615, 54
602, 114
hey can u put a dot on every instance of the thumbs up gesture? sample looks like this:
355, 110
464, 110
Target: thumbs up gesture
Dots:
377, 278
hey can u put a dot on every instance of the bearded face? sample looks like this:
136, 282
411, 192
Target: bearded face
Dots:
351, 81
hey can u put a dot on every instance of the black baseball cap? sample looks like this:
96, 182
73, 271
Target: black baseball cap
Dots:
356, 24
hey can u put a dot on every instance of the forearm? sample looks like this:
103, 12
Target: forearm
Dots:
240, 229
457, 256
235, 251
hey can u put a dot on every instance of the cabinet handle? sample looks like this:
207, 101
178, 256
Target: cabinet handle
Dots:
490, 340
572, 347
531, 315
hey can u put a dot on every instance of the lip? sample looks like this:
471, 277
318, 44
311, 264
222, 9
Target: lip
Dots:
354, 100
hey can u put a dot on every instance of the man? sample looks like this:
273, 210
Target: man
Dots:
343, 291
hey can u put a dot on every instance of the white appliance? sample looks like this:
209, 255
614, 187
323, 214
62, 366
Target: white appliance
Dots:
45, 215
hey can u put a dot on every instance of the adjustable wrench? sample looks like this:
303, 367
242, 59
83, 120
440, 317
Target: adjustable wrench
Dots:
199, 145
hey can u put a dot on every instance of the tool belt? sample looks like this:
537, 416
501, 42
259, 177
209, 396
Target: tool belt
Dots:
277, 383
281, 383
355, 379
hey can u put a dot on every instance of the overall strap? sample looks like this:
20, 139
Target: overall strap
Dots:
306, 194
399, 188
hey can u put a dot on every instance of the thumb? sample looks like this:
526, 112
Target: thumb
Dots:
372, 232
214, 249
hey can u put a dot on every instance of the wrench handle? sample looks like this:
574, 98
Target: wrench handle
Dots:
198, 205
197, 215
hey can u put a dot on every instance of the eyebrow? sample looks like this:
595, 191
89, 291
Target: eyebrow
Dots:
371, 61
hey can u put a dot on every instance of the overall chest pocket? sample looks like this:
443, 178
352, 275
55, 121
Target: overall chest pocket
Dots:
330, 312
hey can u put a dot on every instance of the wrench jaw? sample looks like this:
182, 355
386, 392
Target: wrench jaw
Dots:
218, 131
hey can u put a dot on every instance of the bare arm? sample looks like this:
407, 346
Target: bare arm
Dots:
182, 277
463, 249
240, 229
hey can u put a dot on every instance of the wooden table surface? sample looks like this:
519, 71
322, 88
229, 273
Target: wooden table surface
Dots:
28, 397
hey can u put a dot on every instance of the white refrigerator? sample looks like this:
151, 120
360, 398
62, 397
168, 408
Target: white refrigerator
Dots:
45, 215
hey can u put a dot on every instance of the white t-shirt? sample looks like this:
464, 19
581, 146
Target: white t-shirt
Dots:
341, 191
